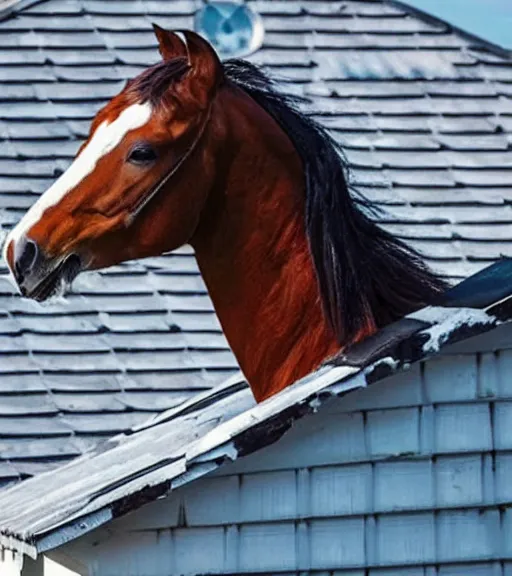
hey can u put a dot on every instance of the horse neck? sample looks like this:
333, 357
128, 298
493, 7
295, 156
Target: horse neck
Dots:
253, 253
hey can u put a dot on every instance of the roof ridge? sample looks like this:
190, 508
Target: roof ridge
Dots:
16, 6
482, 43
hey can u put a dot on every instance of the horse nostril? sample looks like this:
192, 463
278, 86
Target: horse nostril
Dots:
26, 252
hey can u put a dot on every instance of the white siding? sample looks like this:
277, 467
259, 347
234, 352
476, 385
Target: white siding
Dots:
405, 479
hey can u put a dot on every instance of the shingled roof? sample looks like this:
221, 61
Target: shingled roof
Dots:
424, 113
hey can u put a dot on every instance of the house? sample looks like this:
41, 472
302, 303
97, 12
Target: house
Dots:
424, 112
375, 464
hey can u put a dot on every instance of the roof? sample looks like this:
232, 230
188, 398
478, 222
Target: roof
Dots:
6, 5
424, 113
224, 424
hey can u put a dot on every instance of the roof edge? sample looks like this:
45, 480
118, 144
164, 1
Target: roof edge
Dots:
17, 6
481, 43
73, 530
208, 454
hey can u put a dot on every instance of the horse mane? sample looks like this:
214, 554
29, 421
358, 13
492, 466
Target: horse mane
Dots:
367, 277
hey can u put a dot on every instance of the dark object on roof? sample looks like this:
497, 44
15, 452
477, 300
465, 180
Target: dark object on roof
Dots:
424, 115
483, 289
221, 426
488, 290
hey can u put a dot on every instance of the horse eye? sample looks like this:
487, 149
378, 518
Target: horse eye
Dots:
141, 155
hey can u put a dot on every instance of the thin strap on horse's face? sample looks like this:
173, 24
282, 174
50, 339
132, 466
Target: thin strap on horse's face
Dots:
132, 215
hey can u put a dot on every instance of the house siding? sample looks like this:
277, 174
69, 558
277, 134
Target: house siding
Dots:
410, 478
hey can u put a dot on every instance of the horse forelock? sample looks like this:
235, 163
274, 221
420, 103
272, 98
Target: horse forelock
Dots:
153, 84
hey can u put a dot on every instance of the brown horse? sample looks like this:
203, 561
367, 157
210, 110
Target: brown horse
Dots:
195, 151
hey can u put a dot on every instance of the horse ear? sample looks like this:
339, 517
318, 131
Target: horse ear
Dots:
170, 44
205, 65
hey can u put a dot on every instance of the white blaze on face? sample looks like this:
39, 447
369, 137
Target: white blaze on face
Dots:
106, 137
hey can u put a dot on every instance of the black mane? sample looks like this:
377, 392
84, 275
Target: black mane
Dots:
365, 274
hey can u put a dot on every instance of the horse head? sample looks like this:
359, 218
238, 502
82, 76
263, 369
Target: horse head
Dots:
100, 211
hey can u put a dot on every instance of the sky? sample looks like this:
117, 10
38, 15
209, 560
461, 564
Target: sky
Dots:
489, 19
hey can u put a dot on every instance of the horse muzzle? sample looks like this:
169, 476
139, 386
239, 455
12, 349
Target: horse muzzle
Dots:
39, 276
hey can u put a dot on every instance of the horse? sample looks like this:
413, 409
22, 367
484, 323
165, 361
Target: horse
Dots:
211, 154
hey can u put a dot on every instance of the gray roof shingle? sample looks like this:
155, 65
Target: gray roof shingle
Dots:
424, 114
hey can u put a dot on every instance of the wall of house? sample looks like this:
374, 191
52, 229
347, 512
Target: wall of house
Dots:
412, 477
